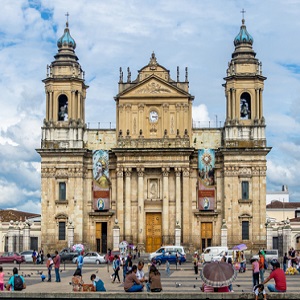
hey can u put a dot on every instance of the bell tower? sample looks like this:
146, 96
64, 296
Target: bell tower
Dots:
244, 93
65, 90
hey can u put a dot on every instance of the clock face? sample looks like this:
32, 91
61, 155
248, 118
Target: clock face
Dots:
153, 116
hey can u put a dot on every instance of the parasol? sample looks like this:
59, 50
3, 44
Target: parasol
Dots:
218, 274
78, 247
240, 247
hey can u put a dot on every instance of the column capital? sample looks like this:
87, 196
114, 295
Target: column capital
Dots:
140, 172
186, 172
128, 172
165, 171
119, 172
177, 172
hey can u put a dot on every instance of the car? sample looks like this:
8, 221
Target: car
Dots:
270, 254
170, 248
11, 257
28, 255
171, 257
92, 257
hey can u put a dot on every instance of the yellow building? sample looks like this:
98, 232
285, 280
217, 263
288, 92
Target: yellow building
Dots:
156, 178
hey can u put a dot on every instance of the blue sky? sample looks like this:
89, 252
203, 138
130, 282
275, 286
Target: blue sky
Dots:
113, 34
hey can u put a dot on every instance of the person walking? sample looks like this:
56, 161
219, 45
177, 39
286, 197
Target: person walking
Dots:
168, 268
279, 277
80, 260
56, 261
49, 265
116, 268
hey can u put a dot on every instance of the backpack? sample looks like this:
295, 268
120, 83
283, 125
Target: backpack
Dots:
100, 286
18, 283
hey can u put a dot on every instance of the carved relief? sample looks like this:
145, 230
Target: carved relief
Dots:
153, 88
153, 191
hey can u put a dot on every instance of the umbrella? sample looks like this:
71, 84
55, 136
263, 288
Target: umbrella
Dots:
240, 247
218, 274
78, 247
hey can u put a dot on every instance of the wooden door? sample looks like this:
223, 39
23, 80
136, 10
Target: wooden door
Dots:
206, 234
153, 231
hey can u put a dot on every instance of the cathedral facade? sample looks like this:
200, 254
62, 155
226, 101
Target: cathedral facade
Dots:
156, 178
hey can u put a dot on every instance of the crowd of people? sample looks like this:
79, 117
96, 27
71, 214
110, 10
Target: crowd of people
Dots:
134, 278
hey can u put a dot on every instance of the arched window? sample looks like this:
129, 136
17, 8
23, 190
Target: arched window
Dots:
245, 106
62, 108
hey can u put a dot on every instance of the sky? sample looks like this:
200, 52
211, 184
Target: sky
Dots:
109, 34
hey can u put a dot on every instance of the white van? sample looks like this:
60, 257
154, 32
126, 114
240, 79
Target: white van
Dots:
211, 252
166, 249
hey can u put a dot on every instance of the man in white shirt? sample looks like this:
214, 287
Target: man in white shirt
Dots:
140, 273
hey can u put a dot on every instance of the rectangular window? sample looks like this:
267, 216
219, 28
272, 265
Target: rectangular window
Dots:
61, 231
62, 191
245, 190
245, 230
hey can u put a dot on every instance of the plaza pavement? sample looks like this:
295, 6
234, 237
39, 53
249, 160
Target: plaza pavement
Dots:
181, 280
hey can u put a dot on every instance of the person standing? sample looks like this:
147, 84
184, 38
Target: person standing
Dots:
261, 263
56, 261
279, 277
1, 279
285, 262
255, 271
42, 255
80, 260
116, 268
49, 265
34, 256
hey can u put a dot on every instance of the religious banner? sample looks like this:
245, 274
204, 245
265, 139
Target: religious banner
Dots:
206, 182
101, 182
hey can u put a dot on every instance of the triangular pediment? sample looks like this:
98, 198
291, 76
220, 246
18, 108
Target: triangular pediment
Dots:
153, 87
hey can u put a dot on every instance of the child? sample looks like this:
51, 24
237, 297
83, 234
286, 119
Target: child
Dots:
1, 279
259, 290
98, 283
168, 268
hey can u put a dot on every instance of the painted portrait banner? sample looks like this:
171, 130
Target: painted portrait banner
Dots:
206, 181
101, 182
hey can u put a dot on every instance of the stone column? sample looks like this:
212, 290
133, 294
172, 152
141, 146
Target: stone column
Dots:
178, 195
165, 211
51, 107
17, 237
141, 213
269, 238
234, 108
128, 233
177, 235
10, 234
286, 234
26, 235
186, 207
120, 210
257, 103
261, 104
78, 105
70, 234
224, 234
228, 108
116, 235
72, 106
